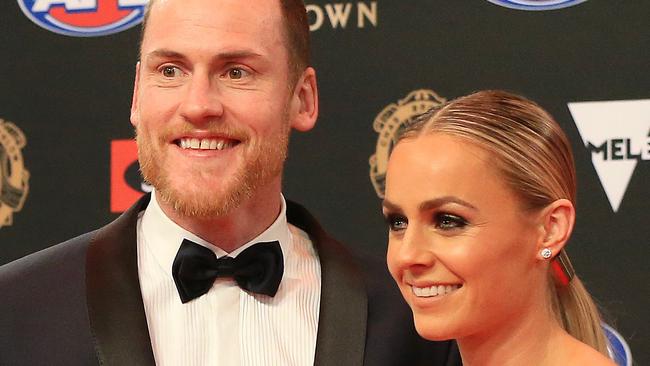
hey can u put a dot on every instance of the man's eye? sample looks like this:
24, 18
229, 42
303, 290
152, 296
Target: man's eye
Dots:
171, 71
396, 222
237, 73
446, 221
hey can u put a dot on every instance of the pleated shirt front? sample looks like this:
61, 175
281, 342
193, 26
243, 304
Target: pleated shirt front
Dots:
228, 326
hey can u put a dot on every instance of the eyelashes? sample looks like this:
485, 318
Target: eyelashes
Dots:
170, 71
447, 221
396, 222
443, 221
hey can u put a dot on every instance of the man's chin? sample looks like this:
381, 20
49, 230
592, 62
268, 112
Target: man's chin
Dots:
201, 204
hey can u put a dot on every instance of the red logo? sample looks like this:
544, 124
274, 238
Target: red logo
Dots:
84, 18
127, 185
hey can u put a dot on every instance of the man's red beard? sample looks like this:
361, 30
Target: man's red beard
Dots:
263, 163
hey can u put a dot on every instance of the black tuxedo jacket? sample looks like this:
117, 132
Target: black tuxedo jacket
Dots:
79, 303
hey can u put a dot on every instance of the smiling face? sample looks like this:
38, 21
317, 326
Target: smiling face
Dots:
461, 249
212, 103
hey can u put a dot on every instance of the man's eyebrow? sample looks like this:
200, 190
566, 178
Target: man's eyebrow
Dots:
229, 55
163, 53
226, 55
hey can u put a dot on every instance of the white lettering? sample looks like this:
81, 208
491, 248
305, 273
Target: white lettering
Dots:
125, 3
45, 5
364, 12
338, 14
318, 13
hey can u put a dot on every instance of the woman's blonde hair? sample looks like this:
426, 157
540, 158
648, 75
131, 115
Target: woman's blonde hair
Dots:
534, 156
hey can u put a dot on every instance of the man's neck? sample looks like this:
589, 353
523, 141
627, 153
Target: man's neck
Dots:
239, 226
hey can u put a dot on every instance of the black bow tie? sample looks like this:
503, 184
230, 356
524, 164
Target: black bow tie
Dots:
257, 269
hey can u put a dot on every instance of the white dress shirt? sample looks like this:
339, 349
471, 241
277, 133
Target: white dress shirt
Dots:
228, 326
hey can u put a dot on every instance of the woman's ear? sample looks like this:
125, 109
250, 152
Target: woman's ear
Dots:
556, 223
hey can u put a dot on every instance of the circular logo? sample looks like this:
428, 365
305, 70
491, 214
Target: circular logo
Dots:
618, 349
13, 176
84, 18
389, 122
536, 4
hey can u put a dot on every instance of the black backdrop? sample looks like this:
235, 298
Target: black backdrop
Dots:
70, 97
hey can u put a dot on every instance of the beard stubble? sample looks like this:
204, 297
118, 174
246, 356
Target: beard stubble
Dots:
262, 162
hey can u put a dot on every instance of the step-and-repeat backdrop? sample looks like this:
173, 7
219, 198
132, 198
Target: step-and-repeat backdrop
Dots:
68, 161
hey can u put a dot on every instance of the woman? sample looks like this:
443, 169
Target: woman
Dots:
479, 201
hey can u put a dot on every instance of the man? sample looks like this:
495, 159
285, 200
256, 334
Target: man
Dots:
219, 86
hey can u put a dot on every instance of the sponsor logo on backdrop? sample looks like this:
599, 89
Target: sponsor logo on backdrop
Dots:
84, 18
14, 178
617, 134
92, 18
342, 15
536, 4
127, 185
618, 349
389, 122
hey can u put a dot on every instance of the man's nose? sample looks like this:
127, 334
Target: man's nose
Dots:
202, 100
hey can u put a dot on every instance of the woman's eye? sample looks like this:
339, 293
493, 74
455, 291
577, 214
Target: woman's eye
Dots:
170, 71
445, 221
396, 222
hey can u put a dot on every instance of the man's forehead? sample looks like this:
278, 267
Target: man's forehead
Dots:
214, 25
264, 10
259, 19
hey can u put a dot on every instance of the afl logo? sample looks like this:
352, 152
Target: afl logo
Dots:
14, 177
388, 124
84, 18
536, 4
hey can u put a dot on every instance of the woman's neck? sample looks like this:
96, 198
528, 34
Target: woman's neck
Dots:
534, 338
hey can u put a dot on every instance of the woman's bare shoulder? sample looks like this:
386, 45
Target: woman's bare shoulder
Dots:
583, 354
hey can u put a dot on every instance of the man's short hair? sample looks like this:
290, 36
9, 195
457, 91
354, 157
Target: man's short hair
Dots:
296, 31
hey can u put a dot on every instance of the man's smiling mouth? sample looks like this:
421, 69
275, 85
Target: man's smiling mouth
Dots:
205, 143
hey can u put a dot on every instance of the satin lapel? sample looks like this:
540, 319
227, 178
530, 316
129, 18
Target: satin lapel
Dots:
341, 336
115, 305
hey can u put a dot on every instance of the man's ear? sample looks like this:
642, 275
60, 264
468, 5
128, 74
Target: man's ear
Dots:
304, 101
135, 112
556, 223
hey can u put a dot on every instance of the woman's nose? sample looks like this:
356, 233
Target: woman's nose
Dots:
414, 249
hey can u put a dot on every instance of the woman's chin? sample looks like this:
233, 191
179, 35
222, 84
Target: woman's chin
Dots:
432, 333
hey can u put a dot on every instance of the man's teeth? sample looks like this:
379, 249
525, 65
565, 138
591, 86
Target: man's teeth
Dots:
205, 144
434, 290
